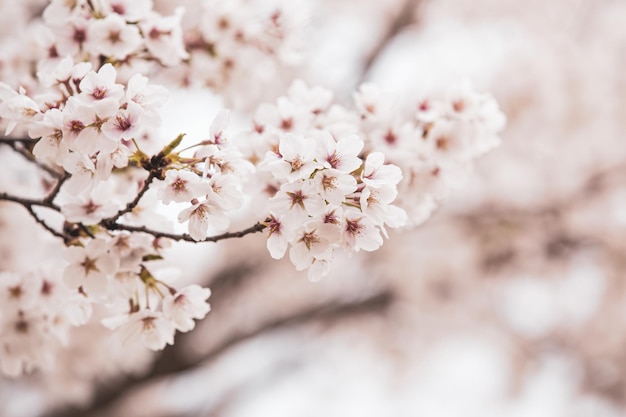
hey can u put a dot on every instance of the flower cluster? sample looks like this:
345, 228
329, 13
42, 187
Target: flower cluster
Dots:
226, 39
324, 192
326, 175
434, 144
128, 33
35, 319
210, 180
109, 277
323, 178
86, 122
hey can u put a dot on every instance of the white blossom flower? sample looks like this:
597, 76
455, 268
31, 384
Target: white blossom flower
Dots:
148, 96
63, 71
90, 207
90, 267
82, 169
376, 204
131, 10
313, 241
152, 328
377, 174
201, 215
315, 99
335, 185
359, 232
16, 107
50, 147
342, 154
106, 161
164, 38
373, 103
298, 201
182, 186
70, 33
295, 159
219, 124
226, 191
17, 291
82, 125
113, 37
278, 237
186, 305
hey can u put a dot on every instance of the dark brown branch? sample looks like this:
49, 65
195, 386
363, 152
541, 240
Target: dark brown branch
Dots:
45, 225
401, 21
9, 141
174, 361
28, 202
132, 204
19, 148
257, 227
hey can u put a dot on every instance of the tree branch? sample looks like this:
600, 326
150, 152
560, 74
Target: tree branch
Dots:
8, 141
45, 225
132, 204
28, 202
18, 145
55, 190
403, 19
173, 361
257, 227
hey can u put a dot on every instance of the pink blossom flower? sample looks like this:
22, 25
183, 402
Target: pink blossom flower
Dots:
359, 232
298, 201
113, 37
152, 328
90, 267
342, 154
182, 186
186, 305
278, 237
101, 85
312, 242
164, 38
377, 174
201, 215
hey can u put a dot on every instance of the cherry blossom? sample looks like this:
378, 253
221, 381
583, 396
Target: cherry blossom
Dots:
182, 186
151, 328
201, 215
185, 305
90, 267
317, 178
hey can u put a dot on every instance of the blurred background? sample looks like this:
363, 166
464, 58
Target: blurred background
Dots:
508, 302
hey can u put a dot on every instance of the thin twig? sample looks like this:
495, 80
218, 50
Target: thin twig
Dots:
55, 190
45, 225
19, 148
28, 202
257, 227
131, 205
4, 139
